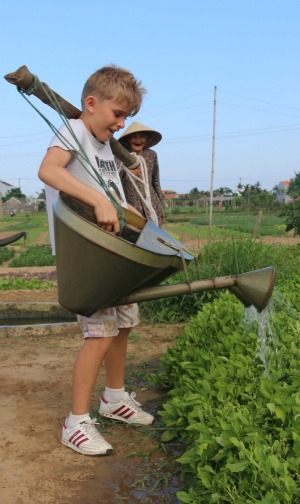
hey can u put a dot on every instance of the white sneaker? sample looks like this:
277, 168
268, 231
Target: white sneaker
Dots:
84, 438
127, 410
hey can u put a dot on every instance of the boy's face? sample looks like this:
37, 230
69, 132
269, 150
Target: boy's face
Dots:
104, 117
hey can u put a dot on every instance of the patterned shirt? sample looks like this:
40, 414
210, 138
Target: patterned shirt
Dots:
157, 197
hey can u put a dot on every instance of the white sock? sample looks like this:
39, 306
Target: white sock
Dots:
114, 395
73, 420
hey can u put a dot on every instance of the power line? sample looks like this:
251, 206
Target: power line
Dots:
235, 134
261, 101
259, 110
27, 154
24, 136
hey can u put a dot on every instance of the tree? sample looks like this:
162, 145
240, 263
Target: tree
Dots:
293, 209
294, 187
14, 193
42, 195
264, 199
223, 191
42, 206
194, 193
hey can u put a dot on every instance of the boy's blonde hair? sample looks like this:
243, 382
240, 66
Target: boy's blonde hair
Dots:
115, 83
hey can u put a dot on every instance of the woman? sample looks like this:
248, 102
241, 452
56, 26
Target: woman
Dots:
142, 185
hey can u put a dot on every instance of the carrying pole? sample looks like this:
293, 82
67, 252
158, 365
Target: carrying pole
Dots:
30, 84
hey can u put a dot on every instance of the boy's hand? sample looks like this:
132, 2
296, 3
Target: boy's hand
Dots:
107, 216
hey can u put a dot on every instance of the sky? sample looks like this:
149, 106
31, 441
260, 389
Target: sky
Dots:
243, 52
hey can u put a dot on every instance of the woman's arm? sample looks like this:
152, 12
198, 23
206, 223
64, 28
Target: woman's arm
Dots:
156, 180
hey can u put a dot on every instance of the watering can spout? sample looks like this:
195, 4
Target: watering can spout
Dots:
251, 288
255, 287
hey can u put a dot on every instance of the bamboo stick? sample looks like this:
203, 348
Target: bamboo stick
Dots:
29, 83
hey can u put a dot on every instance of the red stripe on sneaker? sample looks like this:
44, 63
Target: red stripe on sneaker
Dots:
116, 412
126, 413
82, 441
75, 434
122, 411
130, 414
104, 400
79, 439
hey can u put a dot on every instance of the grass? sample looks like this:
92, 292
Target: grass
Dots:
33, 224
234, 225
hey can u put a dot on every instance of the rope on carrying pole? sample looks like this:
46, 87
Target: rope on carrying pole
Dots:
80, 155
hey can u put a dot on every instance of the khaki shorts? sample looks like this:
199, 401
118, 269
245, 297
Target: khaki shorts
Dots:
106, 323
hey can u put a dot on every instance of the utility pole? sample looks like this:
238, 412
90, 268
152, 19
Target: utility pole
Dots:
213, 160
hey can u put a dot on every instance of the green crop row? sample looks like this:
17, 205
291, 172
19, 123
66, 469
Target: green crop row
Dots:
34, 255
235, 401
34, 283
6, 254
228, 224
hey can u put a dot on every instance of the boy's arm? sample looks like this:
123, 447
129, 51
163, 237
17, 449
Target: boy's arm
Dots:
53, 172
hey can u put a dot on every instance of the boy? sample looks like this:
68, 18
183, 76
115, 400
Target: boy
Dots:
109, 96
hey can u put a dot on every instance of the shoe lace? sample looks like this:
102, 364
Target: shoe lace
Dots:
131, 400
89, 428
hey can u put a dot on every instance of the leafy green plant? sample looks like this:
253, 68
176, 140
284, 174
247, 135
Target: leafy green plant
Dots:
22, 283
238, 415
6, 254
35, 255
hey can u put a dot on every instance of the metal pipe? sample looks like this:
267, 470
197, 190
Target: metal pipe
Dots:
251, 288
163, 291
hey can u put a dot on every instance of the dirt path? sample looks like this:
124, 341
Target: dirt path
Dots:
35, 398
35, 393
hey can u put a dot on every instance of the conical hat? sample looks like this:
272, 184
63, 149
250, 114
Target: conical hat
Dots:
135, 127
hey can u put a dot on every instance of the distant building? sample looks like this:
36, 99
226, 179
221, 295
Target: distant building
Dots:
5, 187
15, 205
281, 192
170, 196
12, 205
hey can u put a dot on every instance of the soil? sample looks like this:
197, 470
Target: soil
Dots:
35, 391
35, 377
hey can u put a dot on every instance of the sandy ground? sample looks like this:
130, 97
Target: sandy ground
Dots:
35, 390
